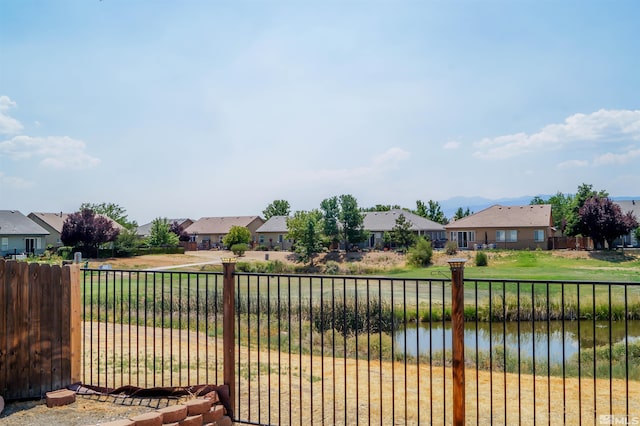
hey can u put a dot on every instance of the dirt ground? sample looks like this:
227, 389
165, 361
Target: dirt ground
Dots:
382, 260
216, 256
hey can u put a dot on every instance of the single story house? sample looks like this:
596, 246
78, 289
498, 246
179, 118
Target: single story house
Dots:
53, 223
144, 231
632, 206
273, 233
20, 235
208, 232
511, 227
377, 223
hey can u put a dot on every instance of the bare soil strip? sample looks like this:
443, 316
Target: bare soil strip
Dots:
282, 388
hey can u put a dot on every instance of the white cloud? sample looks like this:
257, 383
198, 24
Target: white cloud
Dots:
451, 145
13, 182
612, 159
8, 125
56, 152
607, 126
570, 164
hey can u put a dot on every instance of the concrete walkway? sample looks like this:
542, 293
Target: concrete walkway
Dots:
186, 265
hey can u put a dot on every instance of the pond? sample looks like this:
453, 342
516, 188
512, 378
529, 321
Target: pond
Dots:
547, 339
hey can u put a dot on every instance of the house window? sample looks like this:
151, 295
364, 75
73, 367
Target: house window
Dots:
261, 239
510, 236
280, 238
538, 235
5, 244
463, 237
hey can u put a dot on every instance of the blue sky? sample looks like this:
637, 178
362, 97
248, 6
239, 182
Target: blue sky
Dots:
212, 108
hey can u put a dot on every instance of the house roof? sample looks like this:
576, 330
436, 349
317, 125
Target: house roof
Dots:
146, 228
386, 221
12, 222
497, 216
219, 225
275, 224
56, 220
632, 206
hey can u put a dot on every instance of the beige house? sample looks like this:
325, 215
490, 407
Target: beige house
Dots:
53, 223
505, 227
273, 233
208, 232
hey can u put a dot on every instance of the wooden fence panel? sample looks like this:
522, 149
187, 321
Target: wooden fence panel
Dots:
39, 328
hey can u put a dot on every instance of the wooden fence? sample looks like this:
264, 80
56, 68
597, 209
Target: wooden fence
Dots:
40, 329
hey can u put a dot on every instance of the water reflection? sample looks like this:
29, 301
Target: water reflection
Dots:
548, 339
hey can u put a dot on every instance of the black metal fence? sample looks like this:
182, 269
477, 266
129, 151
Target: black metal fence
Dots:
365, 350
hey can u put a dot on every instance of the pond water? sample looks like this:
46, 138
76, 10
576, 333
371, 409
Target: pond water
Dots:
548, 340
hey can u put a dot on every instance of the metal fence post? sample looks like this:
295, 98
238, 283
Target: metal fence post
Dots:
228, 329
457, 338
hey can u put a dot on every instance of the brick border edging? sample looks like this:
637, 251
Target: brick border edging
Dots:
205, 410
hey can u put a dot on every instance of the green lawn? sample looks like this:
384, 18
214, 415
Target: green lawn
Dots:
541, 265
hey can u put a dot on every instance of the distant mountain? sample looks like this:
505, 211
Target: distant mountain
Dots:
475, 204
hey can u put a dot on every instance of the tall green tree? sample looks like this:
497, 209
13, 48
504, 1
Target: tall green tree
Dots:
432, 211
421, 209
381, 208
330, 216
560, 208
160, 234
305, 229
435, 213
401, 233
277, 208
537, 200
351, 220
460, 213
112, 211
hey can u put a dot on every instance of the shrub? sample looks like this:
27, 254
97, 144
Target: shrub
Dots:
65, 252
239, 249
421, 253
278, 267
245, 267
261, 247
332, 268
451, 247
481, 259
